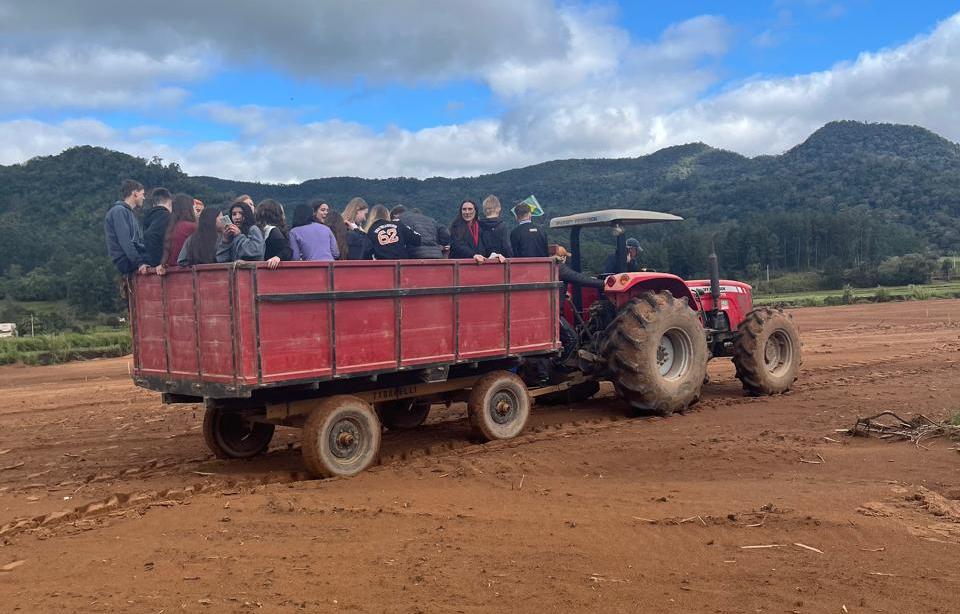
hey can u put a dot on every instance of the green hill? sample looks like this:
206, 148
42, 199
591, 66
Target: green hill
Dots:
840, 203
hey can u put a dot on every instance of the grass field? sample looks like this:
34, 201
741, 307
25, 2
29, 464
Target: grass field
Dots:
940, 289
52, 349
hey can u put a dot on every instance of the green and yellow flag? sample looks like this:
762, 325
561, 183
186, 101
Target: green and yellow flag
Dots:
535, 209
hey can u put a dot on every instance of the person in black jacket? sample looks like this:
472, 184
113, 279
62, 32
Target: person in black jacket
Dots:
355, 216
466, 240
390, 240
155, 225
276, 239
435, 238
632, 265
495, 231
528, 240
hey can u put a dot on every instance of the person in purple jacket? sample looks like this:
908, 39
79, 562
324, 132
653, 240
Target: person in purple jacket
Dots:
309, 239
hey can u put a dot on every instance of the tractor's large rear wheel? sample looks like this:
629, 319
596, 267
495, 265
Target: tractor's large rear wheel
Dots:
656, 352
766, 351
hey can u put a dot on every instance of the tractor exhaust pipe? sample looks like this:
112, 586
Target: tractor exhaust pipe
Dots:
714, 277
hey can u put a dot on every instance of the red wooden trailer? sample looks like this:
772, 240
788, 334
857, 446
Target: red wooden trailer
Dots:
336, 347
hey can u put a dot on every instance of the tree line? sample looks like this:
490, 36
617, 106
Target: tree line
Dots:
855, 203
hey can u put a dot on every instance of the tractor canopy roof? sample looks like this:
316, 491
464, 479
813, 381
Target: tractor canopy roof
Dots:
609, 217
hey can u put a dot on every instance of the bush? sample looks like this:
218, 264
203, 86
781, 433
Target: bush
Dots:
918, 293
947, 267
882, 295
860, 278
848, 296
50, 349
900, 270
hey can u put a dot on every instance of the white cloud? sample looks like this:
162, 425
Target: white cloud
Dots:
92, 77
601, 94
25, 138
605, 106
915, 83
251, 119
336, 148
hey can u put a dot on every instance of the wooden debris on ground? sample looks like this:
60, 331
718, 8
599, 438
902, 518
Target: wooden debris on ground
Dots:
916, 429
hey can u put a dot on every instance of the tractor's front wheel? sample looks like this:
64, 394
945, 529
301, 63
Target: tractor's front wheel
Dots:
766, 351
656, 351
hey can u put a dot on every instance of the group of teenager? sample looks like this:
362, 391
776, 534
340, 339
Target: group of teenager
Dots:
178, 230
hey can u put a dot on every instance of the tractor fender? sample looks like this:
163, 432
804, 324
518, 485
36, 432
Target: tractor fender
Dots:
622, 287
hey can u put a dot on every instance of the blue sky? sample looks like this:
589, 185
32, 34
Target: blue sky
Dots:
243, 90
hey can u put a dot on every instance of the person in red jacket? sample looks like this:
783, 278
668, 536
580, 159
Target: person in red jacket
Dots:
181, 225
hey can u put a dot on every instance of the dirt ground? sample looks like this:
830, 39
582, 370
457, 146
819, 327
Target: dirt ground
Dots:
111, 502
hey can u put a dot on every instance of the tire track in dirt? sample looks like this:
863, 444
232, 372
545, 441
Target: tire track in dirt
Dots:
121, 502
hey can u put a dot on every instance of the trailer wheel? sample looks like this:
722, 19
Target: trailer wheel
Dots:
766, 351
499, 406
404, 414
341, 437
656, 351
229, 434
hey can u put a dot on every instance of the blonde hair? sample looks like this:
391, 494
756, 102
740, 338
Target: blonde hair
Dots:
491, 206
379, 212
355, 206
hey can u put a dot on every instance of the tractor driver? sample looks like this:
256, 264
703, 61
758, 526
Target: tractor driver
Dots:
632, 265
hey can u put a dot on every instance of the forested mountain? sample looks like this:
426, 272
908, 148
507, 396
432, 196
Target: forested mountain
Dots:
839, 203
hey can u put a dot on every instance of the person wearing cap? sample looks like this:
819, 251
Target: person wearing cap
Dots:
632, 265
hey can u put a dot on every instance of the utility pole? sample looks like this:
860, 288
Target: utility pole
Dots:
31, 325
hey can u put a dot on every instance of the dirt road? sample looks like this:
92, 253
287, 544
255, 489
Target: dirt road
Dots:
113, 504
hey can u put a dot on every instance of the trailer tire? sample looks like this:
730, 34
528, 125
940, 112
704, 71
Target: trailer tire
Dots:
341, 437
499, 406
766, 352
229, 435
656, 351
404, 414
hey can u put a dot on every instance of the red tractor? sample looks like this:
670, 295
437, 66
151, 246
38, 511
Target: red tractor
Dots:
651, 334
